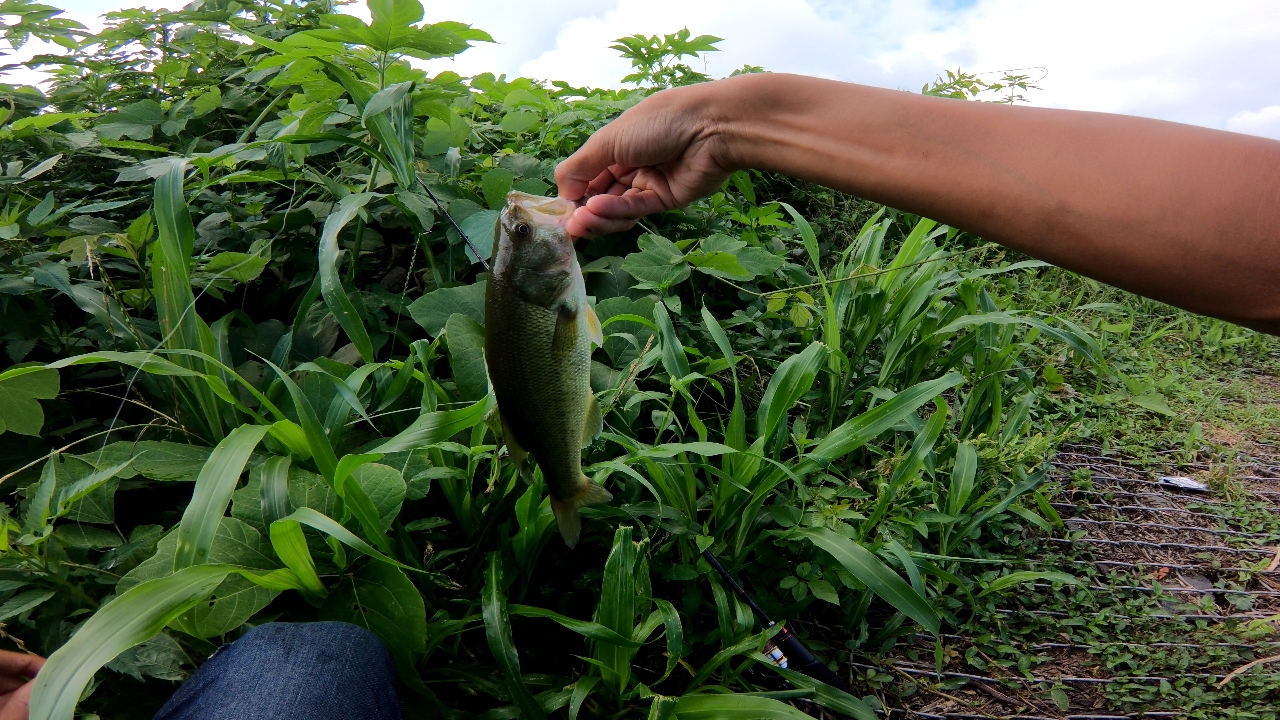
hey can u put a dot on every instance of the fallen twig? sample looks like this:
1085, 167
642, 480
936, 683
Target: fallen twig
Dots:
1246, 667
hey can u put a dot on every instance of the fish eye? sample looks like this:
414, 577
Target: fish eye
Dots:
522, 229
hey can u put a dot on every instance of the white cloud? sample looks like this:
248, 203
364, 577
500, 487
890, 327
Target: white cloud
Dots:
1264, 122
1211, 64
1181, 60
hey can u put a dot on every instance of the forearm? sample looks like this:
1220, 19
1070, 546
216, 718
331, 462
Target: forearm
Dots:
1183, 214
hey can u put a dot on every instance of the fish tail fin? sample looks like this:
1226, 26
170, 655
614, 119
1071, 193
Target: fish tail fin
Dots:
566, 511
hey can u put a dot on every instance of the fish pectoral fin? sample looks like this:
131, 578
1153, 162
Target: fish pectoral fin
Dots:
566, 332
594, 328
594, 423
568, 520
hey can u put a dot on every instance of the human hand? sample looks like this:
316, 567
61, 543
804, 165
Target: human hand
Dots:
664, 153
16, 671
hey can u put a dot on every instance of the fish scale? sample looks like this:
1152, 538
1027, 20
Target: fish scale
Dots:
543, 403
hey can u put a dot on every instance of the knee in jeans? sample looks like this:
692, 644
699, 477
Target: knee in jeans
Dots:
343, 639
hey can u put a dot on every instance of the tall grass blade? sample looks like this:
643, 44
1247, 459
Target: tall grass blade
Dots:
335, 296
214, 485
962, 475
735, 707
793, 378
856, 432
180, 326
321, 448
823, 694
435, 427
291, 547
275, 488
137, 615
617, 608
497, 630
673, 358
595, 631
877, 576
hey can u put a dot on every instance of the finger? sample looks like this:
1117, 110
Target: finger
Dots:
19, 705
584, 223
15, 663
631, 205
600, 183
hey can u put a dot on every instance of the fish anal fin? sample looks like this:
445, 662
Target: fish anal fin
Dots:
568, 520
594, 327
594, 423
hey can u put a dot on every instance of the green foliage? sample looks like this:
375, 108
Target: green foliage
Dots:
239, 248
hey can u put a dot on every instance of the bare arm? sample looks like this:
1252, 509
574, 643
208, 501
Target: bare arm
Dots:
1182, 214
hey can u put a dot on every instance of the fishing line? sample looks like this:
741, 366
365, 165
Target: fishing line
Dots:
454, 223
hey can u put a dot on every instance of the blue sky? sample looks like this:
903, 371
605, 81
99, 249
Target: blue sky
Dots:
1211, 64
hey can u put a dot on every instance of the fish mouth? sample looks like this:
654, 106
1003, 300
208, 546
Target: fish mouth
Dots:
550, 212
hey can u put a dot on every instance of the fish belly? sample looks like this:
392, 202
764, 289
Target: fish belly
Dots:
541, 385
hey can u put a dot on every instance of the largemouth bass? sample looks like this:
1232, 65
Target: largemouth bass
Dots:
538, 334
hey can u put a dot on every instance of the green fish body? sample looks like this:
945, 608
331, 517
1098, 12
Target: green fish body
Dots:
538, 334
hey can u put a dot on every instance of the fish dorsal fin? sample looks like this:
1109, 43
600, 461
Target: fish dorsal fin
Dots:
594, 423
594, 328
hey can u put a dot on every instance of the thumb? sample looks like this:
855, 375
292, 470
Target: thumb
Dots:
18, 705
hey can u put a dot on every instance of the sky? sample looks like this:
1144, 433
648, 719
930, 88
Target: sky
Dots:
1213, 64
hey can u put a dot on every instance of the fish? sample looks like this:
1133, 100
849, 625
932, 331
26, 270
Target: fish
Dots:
539, 330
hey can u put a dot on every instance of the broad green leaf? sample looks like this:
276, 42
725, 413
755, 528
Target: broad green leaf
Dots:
495, 185
877, 576
497, 630
327, 525
466, 356
138, 614
659, 262
23, 602
40, 505
78, 490
212, 493
19, 411
335, 295
432, 310
237, 266
384, 487
480, 228
386, 98
152, 459
1154, 402
380, 598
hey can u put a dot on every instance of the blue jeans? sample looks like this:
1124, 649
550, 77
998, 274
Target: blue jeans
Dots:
293, 671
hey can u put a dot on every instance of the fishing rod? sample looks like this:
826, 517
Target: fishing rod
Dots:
784, 649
